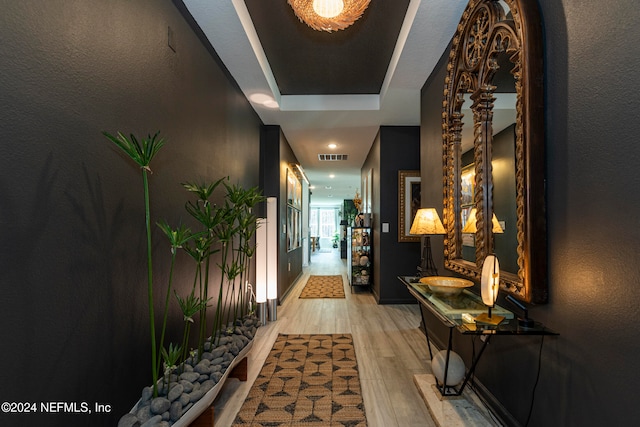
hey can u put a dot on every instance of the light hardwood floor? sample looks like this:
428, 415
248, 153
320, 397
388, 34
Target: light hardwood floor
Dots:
389, 348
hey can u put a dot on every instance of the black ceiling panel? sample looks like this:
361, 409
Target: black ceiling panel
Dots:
309, 62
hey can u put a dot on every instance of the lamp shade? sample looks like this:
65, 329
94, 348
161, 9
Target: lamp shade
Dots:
426, 221
470, 226
490, 281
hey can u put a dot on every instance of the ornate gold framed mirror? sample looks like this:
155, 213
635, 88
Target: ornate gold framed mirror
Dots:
493, 146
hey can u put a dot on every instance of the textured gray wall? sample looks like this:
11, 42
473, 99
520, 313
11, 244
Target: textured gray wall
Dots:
72, 275
589, 373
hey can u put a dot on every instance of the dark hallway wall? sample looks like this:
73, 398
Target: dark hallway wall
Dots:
395, 148
277, 157
589, 373
74, 306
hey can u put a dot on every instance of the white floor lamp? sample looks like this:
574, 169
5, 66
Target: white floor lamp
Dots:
272, 257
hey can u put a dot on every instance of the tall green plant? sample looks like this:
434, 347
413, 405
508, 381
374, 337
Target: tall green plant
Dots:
207, 214
142, 152
189, 306
177, 238
237, 232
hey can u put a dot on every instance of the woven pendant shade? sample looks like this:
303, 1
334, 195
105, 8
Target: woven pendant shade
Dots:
351, 12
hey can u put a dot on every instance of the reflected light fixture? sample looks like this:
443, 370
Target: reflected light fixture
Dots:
470, 226
427, 223
489, 286
328, 15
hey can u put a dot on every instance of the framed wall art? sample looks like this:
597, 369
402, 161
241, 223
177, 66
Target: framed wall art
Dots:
294, 211
409, 194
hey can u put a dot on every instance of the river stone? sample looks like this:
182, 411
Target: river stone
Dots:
144, 413
202, 367
218, 360
207, 345
206, 356
248, 334
215, 376
225, 340
234, 350
128, 420
203, 377
153, 422
187, 407
186, 385
160, 405
147, 393
175, 392
184, 399
187, 368
218, 352
189, 376
215, 368
196, 395
166, 416
207, 385
175, 411
228, 357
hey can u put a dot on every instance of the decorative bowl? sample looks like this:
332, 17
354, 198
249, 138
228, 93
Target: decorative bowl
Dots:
447, 286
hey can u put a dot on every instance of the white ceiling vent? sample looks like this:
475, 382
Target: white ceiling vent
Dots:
332, 157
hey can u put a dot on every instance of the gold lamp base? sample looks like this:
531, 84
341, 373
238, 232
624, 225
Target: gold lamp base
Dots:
485, 319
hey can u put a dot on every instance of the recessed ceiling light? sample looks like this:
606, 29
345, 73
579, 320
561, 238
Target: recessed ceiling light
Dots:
332, 145
332, 176
312, 187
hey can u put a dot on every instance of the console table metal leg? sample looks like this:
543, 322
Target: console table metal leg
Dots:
426, 332
443, 388
474, 363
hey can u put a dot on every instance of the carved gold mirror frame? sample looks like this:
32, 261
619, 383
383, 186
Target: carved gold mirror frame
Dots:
485, 32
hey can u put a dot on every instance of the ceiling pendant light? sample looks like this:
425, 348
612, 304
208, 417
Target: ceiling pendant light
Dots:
328, 8
328, 15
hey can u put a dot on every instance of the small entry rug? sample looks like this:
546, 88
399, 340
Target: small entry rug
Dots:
323, 287
307, 380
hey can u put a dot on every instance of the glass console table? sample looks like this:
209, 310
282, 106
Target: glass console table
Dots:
454, 312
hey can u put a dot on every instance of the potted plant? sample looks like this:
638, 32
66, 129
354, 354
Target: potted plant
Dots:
188, 381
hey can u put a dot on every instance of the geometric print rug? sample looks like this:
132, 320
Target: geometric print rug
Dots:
323, 287
307, 380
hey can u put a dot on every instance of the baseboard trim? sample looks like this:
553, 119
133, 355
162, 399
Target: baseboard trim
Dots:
494, 405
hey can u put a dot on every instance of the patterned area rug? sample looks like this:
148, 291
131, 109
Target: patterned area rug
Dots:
307, 380
323, 287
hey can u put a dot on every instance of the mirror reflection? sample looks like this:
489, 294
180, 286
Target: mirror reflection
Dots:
487, 127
